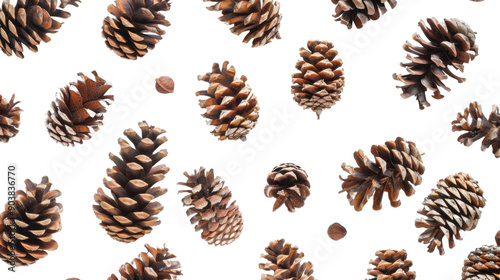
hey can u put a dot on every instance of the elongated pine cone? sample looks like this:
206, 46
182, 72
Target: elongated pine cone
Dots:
130, 213
391, 265
451, 43
155, 264
482, 264
475, 125
209, 205
320, 81
285, 262
398, 166
78, 110
35, 215
135, 27
231, 107
360, 12
452, 206
261, 18
288, 183
10, 118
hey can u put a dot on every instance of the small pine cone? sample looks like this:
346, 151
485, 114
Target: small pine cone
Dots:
77, 110
360, 12
391, 265
155, 264
451, 207
474, 122
10, 118
286, 263
451, 43
482, 264
288, 183
130, 214
398, 166
135, 27
261, 18
208, 201
36, 216
231, 107
321, 80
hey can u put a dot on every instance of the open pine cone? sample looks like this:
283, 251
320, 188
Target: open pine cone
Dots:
285, 262
482, 263
360, 12
391, 265
288, 183
10, 118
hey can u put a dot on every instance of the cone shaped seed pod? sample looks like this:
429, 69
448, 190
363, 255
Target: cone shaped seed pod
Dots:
285, 262
288, 183
482, 263
360, 12
10, 118
391, 265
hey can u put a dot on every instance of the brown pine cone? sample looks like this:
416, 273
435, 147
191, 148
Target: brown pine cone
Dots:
452, 206
391, 265
288, 183
286, 263
208, 201
360, 12
451, 43
10, 118
482, 264
398, 166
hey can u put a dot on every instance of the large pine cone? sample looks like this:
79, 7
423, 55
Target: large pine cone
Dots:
451, 43
286, 263
360, 12
10, 118
321, 80
451, 207
482, 264
208, 201
135, 27
398, 166
288, 183
155, 264
261, 18
130, 214
77, 110
230, 106
37, 218
391, 265
474, 122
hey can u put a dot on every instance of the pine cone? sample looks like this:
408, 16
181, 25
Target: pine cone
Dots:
230, 106
37, 218
451, 207
321, 80
135, 27
451, 43
77, 110
286, 263
208, 201
155, 264
28, 23
289, 185
482, 264
10, 118
391, 265
474, 122
261, 18
398, 166
130, 214
360, 12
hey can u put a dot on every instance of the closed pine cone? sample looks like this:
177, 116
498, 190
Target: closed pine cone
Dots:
482, 264
285, 262
452, 206
391, 265
360, 12
288, 183
130, 213
10, 118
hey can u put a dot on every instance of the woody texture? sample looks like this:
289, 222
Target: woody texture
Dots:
288, 183
359, 12
391, 265
10, 118
482, 263
284, 262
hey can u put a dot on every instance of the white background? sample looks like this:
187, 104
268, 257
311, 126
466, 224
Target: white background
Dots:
370, 112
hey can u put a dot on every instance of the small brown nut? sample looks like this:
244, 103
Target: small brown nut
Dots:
497, 238
164, 84
336, 231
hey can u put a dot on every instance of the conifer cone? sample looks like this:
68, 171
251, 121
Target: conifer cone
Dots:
288, 183
36, 215
10, 118
231, 107
482, 264
360, 12
285, 262
261, 18
208, 201
321, 80
78, 110
135, 27
398, 166
130, 213
451, 43
29, 22
476, 126
391, 265
452, 206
